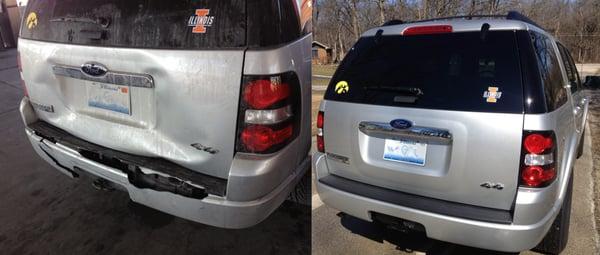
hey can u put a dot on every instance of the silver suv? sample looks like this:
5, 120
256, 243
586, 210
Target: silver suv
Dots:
199, 109
466, 128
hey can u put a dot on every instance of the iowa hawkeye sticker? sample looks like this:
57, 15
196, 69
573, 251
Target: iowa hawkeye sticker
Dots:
201, 21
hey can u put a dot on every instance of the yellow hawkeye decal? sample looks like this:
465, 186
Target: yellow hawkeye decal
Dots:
342, 87
32, 20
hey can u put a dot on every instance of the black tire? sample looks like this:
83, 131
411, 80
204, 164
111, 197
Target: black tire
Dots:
557, 237
302, 192
580, 146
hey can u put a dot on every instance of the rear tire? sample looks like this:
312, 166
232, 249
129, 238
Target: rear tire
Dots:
301, 194
557, 237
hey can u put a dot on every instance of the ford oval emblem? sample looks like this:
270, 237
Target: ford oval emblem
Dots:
401, 124
94, 69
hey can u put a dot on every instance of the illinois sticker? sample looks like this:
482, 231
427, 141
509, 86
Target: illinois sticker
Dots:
200, 21
492, 95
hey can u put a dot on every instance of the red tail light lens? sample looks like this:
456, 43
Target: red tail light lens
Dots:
258, 138
320, 138
320, 144
268, 117
537, 143
534, 176
538, 159
424, 30
320, 119
261, 94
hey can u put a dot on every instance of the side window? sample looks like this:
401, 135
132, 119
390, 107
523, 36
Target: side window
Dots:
272, 22
569, 67
577, 81
550, 72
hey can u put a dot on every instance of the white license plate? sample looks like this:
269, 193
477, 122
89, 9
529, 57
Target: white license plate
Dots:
109, 97
405, 151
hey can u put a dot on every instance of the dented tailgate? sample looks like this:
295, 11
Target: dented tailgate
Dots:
153, 79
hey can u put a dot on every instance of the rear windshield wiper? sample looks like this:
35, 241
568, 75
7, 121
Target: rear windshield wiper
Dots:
103, 22
402, 90
406, 95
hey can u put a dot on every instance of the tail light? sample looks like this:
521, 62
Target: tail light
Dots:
269, 112
320, 138
425, 30
21, 75
538, 167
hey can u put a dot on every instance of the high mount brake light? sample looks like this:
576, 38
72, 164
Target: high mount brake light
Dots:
320, 138
537, 169
425, 30
268, 112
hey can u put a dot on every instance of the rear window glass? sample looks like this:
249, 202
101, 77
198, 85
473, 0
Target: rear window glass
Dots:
179, 24
454, 71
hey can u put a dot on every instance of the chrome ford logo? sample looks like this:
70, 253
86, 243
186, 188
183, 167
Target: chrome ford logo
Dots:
401, 124
94, 69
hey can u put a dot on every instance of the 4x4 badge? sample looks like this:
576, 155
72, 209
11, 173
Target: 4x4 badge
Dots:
492, 94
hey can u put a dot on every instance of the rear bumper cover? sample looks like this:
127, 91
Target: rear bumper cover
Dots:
212, 208
511, 237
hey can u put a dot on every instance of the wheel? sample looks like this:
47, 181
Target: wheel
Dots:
557, 237
580, 146
302, 192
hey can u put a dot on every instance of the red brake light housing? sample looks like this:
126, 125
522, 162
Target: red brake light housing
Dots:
269, 113
538, 159
426, 30
320, 137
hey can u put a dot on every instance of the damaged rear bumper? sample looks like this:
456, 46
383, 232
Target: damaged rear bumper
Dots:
153, 182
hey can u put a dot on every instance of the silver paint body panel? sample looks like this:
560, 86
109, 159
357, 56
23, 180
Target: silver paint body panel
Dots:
194, 100
485, 147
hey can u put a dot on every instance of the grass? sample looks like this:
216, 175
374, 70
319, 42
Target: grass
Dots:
323, 69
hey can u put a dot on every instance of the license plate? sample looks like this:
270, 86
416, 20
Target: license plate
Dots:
109, 97
405, 151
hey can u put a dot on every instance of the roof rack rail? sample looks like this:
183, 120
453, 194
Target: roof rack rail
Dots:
512, 15
467, 17
515, 15
392, 22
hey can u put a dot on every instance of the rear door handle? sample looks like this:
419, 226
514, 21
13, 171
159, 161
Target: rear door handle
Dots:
418, 134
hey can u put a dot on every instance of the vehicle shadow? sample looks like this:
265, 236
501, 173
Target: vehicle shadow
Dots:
406, 240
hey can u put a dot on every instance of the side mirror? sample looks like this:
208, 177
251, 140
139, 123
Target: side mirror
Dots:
592, 82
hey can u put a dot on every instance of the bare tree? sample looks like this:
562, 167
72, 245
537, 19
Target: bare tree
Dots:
575, 23
381, 7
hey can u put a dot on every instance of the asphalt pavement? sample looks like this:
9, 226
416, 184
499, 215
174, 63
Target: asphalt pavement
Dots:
45, 212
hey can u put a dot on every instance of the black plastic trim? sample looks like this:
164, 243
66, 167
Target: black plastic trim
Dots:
534, 99
130, 164
419, 202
